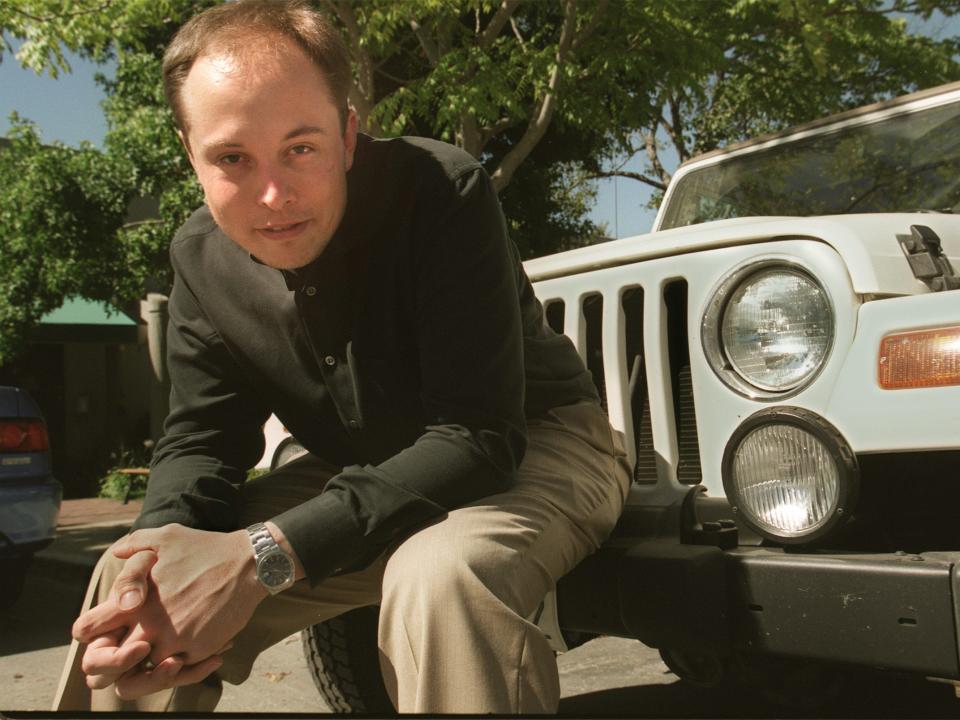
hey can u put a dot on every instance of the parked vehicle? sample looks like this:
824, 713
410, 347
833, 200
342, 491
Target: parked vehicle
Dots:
783, 356
29, 494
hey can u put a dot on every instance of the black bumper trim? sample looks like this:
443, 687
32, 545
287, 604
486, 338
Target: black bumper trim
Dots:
894, 611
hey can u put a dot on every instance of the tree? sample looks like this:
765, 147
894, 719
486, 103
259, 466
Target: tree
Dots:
46, 247
545, 93
754, 67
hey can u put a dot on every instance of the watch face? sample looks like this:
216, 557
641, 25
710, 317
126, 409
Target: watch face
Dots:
275, 569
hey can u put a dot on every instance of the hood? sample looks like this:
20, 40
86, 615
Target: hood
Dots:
867, 243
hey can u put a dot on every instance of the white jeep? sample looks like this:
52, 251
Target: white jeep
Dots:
783, 356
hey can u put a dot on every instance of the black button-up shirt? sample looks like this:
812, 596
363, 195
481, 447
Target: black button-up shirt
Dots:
409, 353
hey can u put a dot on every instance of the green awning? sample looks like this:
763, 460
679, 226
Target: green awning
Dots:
82, 320
80, 311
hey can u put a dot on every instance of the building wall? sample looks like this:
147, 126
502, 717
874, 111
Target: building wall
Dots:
106, 410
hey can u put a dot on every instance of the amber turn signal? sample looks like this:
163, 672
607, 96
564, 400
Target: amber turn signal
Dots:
920, 359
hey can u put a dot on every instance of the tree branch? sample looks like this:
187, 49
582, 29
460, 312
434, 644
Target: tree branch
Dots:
426, 43
517, 34
498, 127
632, 176
589, 28
504, 13
541, 119
653, 155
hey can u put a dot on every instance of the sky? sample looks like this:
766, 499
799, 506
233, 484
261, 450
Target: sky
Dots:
68, 109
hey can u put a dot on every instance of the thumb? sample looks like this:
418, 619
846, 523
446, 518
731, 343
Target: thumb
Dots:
130, 587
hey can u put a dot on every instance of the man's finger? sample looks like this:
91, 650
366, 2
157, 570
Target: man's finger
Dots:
192, 674
130, 587
168, 674
99, 620
106, 656
139, 682
137, 541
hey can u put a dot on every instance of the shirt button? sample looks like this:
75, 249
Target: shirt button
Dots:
330, 360
310, 290
353, 424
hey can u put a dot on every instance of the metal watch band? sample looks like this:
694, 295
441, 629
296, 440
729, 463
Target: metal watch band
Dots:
261, 539
263, 546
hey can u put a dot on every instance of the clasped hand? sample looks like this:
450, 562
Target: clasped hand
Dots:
181, 598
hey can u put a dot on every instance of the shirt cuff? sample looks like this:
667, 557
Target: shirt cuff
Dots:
323, 534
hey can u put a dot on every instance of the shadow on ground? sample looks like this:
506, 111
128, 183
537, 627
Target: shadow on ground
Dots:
865, 695
43, 615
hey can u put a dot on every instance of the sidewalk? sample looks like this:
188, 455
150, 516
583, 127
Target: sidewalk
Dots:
86, 527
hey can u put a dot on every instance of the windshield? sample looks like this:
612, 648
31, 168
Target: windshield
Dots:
903, 163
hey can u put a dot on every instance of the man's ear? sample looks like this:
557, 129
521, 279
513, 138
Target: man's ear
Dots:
350, 139
186, 147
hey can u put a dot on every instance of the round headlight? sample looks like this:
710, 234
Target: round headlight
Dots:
768, 327
790, 475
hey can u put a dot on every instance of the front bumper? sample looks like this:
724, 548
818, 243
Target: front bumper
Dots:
28, 514
893, 611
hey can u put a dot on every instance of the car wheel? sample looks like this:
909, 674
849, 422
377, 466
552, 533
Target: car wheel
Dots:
703, 669
344, 662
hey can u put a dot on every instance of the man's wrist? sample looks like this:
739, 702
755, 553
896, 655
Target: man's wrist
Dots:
248, 567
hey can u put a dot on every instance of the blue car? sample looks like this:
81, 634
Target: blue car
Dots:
29, 494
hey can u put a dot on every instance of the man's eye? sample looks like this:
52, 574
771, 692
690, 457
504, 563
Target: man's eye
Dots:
231, 159
301, 149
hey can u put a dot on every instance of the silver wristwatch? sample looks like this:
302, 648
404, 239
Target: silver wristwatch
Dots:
275, 569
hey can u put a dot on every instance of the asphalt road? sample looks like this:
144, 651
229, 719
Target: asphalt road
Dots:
606, 676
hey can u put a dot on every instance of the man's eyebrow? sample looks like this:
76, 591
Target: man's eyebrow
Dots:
304, 130
296, 132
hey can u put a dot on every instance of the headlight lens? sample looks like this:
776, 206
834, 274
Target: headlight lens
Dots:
790, 475
777, 328
785, 479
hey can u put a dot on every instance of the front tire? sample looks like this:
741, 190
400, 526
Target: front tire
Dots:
344, 661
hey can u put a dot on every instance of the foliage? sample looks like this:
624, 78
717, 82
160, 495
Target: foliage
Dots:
92, 28
57, 222
117, 485
741, 68
547, 94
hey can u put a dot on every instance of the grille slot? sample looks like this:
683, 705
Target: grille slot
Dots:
593, 318
673, 361
688, 445
684, 408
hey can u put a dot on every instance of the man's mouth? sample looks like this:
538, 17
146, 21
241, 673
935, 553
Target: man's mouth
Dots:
281, 229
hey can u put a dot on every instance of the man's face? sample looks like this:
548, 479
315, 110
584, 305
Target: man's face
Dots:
264, 138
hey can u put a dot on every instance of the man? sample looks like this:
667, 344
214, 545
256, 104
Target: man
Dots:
366, 292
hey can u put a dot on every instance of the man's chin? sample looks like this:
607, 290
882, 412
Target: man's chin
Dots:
286, 260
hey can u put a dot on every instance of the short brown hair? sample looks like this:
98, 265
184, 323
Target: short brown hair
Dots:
232, 25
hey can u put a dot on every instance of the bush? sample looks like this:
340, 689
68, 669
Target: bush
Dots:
115, 484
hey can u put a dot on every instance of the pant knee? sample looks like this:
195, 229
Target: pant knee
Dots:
444, 569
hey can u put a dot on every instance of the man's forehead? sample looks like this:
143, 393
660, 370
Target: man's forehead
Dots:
234, 79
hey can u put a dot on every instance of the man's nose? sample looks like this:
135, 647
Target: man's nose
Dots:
275, 191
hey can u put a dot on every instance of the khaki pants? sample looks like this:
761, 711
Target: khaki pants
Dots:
454, 596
